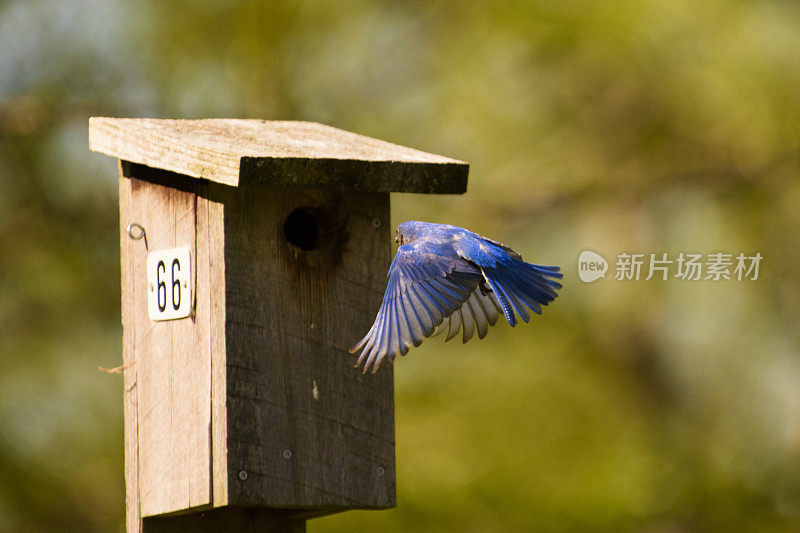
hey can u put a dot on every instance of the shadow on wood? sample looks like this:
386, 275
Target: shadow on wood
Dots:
239, 519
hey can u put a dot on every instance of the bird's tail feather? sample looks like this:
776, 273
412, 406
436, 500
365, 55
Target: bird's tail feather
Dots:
520, 286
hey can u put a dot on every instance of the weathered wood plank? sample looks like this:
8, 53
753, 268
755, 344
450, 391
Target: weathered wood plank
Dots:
130, 400
276, 153
173, 359
219, 403
304, 427
200, 381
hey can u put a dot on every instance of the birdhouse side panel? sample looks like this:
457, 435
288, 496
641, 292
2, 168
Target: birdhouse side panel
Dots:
305, 271
172, 364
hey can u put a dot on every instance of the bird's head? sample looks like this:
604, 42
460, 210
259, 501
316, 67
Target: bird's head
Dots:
408, 231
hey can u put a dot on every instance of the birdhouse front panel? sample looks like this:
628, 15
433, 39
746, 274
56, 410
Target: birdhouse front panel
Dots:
304, 269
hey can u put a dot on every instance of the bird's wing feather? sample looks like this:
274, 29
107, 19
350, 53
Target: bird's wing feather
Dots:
427, 284
479, 312
505, 248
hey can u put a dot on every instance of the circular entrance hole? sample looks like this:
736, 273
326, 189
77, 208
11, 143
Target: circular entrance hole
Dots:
301, 229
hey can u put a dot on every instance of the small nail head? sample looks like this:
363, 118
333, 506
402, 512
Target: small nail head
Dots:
376, 222
287, 454
242, 475
380, 471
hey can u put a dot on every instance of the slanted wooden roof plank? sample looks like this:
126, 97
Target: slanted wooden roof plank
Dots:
280, 153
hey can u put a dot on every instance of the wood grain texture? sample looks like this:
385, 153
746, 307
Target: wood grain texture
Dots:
277, 153
219, 404
130, 400
305, 429
173, 359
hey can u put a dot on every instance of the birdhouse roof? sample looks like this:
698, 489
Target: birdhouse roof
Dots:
279, 153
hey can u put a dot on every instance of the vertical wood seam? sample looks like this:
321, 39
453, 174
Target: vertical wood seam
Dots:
207, 236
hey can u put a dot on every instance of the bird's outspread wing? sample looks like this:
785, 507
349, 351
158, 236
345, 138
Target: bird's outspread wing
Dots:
428, 282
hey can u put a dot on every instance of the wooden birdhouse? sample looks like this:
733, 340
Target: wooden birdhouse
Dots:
254, 254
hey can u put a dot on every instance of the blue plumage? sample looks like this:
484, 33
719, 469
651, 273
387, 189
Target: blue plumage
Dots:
445, 279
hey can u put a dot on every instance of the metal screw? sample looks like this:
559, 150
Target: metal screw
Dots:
376, 222
380, 471
287, 454
152, 287
242, 475
184, 284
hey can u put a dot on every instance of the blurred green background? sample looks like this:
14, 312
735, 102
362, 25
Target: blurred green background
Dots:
664, 126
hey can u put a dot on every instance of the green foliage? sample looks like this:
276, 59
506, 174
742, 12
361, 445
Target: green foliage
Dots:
647, 127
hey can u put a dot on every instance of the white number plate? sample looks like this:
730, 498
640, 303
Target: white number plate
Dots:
169, 284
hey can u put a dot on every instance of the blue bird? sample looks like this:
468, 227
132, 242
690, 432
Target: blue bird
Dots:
446, 278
